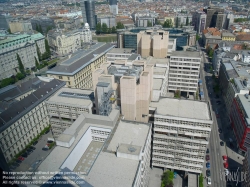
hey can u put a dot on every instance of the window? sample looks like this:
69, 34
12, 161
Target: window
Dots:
60, 77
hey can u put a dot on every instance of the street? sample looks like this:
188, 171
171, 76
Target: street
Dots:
220, 120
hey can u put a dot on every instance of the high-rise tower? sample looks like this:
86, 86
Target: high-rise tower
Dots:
88, 12
113, 7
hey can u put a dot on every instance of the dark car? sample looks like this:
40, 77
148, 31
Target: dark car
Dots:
35, 142
50, 141
217, 96
46, 132
220, 130
222, 143
207, 151
231, 145
207, 157
25, 155
208, 173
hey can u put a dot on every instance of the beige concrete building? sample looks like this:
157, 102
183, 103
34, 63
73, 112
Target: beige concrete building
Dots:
20, 26
77, 70
127, 86
181, 133
24, 120
152, 43
66, 106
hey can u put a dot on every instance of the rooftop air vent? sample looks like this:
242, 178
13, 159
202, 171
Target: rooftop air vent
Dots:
132, 149
41, 95
246, 95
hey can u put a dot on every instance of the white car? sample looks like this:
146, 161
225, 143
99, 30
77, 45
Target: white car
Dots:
209, 181
226, 171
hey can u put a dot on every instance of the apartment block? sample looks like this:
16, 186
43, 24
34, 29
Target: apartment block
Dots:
215, 17
152, 43
77, 70
184, 70
181, 133
240, 121
42, 21
24, 120
25, 46
66, 106
127, 86
233, 79
246, 169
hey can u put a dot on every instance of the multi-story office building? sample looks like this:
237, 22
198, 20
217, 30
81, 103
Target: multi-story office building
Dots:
108, 20
215, 17
240, 120
126, 39
44, 22
101, 147
184, 70
199, 21
127, 86
88, 12
25, 46
77, 70
66, 106
113, 7
227, 36
24, 120
152, 43
246, 169
181, 133
20, 26
122, 54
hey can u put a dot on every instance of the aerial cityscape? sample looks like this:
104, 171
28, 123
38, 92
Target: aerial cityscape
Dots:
125, 93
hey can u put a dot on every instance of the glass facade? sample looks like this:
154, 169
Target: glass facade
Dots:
130, 41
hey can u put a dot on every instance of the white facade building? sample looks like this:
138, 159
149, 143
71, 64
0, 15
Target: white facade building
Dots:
246, 56
65, 42
181, 133
23, 45
184, 69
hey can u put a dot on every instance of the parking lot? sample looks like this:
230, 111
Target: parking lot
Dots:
34, 158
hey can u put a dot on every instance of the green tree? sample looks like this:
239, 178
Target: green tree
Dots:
47, 48
9, 31
150, 24
186, 21
37, 28
20, 64
113, 30
167, 24
167, 178
37, 64
177, 22
211, 53
104, 28
120, 26
197, 37
201, 180
181, 25
20, 76
98, 28
38, 52
7, 81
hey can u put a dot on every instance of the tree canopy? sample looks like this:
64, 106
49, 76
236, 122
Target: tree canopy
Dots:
120, 26
168, 23
20, 64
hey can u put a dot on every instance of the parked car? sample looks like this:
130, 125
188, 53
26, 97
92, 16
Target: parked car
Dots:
220, 130
35, 142
225, 165
209, 181
208, 173
207, 150
25, 155
50, 141
175, 175
208, 165
231, 145
46, 132
32, 147
207, 157
222, 143
20, 158
224, 157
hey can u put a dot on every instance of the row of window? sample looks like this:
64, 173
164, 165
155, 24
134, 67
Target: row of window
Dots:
182, 122
170, 159
177, 148
178, 166
184, 143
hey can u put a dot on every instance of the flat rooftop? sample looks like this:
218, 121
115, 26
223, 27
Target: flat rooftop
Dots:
182, 108
70, 96
191, 54
129, 133
160, 61
122, 50
160, 71
157, 84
